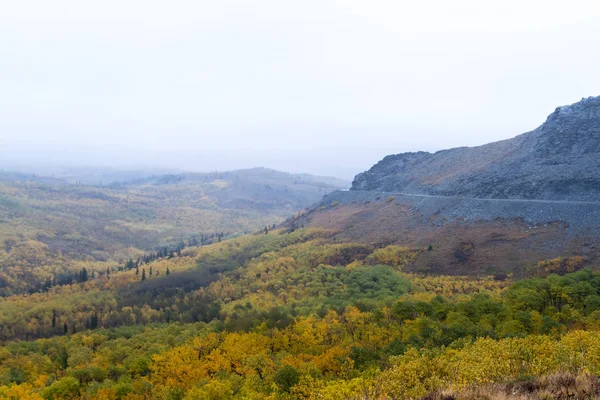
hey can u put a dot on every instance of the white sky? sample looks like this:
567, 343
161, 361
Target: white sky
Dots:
322, 86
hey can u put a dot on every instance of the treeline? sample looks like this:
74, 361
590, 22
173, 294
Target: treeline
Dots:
173, 250
83, 275
169, 251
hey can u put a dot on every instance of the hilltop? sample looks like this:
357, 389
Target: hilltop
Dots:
557, 161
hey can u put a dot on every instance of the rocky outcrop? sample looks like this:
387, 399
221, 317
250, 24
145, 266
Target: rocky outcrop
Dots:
560, 160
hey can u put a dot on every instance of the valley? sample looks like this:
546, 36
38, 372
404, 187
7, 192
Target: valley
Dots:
51, 228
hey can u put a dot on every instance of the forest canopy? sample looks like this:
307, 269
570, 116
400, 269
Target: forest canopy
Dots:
282, 314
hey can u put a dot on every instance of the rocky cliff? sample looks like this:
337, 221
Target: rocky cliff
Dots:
560, 160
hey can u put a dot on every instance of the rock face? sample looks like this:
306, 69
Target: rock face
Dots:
560, 160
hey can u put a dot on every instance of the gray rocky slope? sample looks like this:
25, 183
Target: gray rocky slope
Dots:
560, 160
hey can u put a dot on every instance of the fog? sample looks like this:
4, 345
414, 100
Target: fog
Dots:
325, 87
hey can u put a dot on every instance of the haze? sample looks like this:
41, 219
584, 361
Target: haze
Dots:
326, 87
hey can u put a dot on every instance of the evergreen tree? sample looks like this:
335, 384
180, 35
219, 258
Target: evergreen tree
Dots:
168, 272
150, 271
54, 319
65, 328
143, 274
94, 322
137, 270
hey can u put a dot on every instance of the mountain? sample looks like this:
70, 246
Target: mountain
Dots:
501, 207
560, 160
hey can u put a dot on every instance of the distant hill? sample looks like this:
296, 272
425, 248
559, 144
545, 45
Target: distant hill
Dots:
255, 187
560, 160
51, 226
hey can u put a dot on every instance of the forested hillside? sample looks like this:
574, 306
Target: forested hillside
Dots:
295, 313
50, 229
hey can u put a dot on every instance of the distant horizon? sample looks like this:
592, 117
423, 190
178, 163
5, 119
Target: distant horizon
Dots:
24, 161
322, 87
150, 170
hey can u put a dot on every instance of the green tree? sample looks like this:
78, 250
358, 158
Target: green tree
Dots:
65, 388
286, 378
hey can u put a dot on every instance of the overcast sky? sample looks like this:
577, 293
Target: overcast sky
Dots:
327, 87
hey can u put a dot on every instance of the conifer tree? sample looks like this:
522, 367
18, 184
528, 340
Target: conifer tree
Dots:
94, 322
